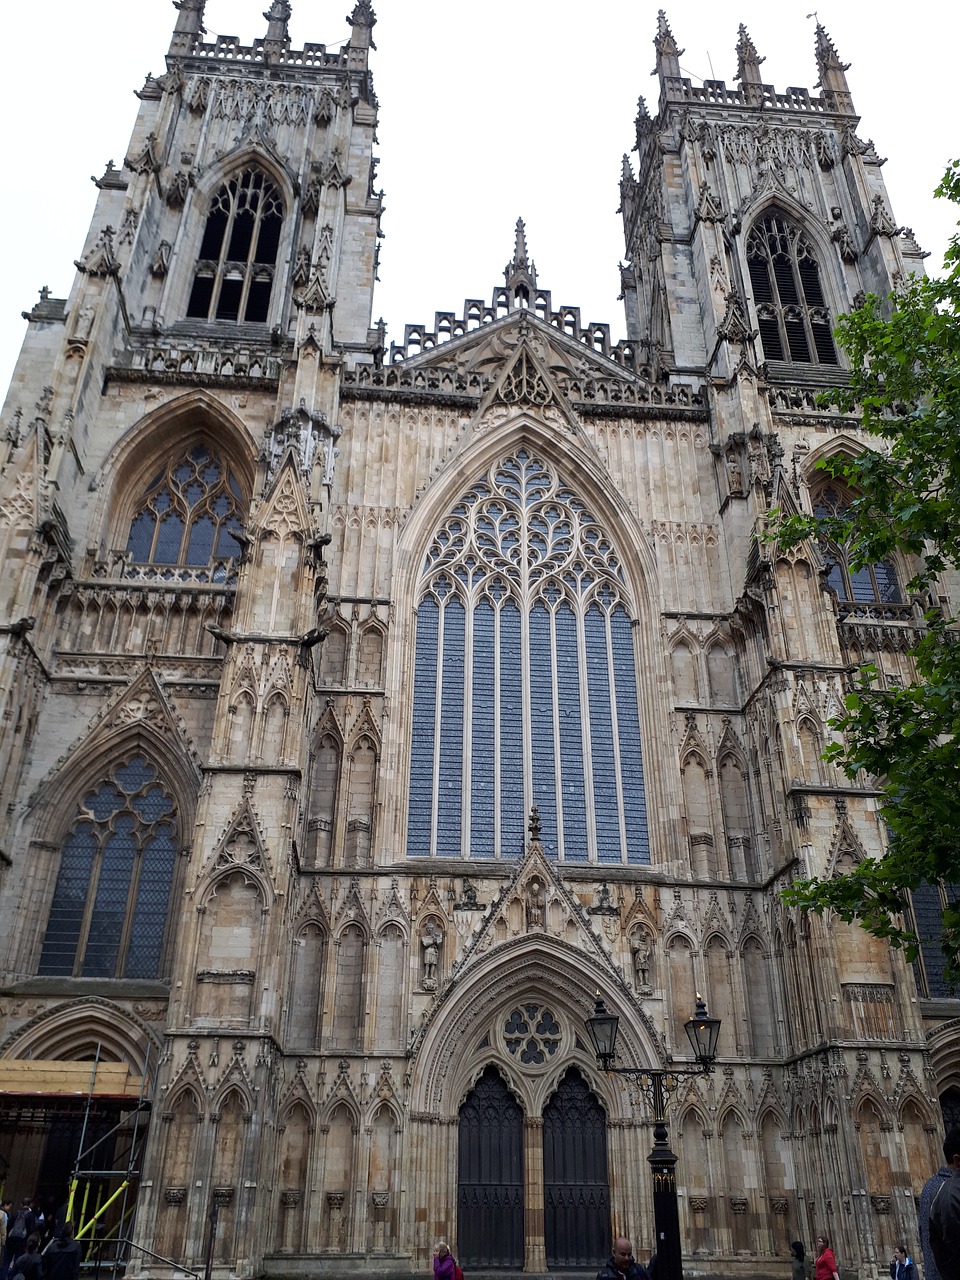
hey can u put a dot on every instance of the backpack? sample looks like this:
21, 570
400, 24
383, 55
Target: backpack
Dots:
457, 1273
19, 1229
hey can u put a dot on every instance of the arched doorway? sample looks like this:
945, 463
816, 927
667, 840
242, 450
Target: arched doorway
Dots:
490, 1192
576, 1190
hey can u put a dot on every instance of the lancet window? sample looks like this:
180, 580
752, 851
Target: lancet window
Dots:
792, 314
870, 584
928, 902
525, 683
111, 901
190, 514
238, 254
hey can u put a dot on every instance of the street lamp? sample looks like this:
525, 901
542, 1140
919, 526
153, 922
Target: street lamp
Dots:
703, 1032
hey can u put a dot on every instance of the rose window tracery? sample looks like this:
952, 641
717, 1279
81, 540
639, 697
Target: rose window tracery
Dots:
532, 1034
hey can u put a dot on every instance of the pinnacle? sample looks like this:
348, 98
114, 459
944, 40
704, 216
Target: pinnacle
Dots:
520, 248
748, 60
277, 16
827, 54
522, 269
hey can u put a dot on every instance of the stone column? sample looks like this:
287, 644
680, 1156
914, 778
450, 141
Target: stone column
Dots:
534, 1248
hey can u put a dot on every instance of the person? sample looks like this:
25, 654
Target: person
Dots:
942, 1218
29, 1264
444, 1266
901, 1266
22, 1226
6, 1209
825, 1267
622, 1265
61, 1258
930, 1189
798, 1270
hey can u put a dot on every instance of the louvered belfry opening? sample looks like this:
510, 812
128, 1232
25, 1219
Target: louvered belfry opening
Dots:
238, 254
792, 313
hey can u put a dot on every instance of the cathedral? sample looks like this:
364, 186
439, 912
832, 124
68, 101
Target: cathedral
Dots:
371, 704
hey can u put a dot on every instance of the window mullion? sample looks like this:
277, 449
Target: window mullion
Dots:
557, 752
437, 716
466, 769
84, 934
587, 745
127, 927
497, 781
615, 728
526, 728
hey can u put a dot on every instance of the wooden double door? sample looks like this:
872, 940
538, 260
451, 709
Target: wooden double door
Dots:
493, 1183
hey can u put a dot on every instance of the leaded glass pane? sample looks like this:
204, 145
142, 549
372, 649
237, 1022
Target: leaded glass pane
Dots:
523, 627
190, 509
234, 273
112, 894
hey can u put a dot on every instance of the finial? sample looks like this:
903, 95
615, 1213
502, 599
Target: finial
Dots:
833, 80
668, 55
277, 16
748, 60
535, 831
626, 171
521, 274
189, 26
363, 20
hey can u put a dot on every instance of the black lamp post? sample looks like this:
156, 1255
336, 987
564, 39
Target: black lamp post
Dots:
703, 1032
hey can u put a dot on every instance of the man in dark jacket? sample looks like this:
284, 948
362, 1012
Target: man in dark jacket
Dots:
622, 1264
943, 1212
61, 1258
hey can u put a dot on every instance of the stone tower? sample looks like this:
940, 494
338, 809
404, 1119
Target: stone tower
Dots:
369, 708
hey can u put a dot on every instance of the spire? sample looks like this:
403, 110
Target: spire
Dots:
668, 55
363, 20
833, 80
521, 274
189, 26
748, 60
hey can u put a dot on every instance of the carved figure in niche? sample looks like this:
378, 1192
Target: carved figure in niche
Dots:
641, 961
536, 905
431, 941
734, 470
468, 900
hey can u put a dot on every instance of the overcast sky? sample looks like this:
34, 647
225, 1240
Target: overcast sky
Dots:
488, 112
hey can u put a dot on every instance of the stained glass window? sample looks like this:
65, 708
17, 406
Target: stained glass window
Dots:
792, 313
238, 254
190, 513
112, 895
525, 684
928, 901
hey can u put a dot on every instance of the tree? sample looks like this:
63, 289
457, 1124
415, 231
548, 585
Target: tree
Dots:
905, 382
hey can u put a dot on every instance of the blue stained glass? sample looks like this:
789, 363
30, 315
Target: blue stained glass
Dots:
512, 817
131, 776
169, 539
571, 738
105, 801
202, 534
541, 708
110, 903
928, 915
141, 536
424, 728
450, 800
601, 738
482, 746
69, 898
628, 729
150, 914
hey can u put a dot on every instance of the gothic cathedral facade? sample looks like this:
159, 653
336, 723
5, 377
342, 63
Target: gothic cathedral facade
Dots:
369, 707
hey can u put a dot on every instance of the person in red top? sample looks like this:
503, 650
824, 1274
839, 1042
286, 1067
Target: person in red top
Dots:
826, 1264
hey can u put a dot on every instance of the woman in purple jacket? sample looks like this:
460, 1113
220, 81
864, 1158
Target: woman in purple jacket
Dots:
444, 1267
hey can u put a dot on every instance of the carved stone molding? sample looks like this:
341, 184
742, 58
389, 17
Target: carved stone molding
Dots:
223, 1196
335, 1200
175, 1195
881, 1204
778, 1204
698, 1204
380, 1199
738, 1204
290, 1199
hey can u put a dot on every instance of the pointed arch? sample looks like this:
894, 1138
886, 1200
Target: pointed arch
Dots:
478, 458
77, 1029
305, 1002
796, 283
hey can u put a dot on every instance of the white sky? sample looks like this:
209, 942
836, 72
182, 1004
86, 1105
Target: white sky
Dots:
489, 111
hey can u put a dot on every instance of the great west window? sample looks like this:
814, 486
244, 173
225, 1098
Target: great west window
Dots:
525, 684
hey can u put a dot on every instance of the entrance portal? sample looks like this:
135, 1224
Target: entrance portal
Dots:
576, 1193
490, 1197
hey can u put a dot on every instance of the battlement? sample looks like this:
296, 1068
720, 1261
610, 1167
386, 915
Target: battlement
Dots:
753, 96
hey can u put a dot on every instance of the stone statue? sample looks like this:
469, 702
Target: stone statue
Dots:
641, 960
536, 905
431, 942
